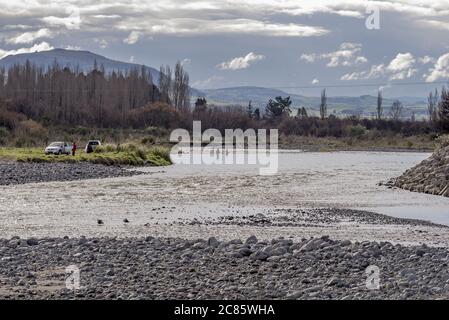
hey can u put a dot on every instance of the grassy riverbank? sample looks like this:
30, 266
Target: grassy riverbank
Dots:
365, 143
128, 154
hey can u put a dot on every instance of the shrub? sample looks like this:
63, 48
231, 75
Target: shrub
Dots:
105, 148
29, 133
147, 140
140, 153
4, 132
156, 131
163, 153
356, 131
10, 119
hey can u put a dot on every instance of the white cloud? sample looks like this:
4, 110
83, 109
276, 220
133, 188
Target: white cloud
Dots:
76, 48
376, 71
101, 42
308, 57
346, 55
437, 24
17, 27
400, 68
360, 60
133, 37
194, 26
214, 16
31, 36
402, 61
315, 81
106, 16
440, 70
414, 8
43, 46
427, 59
71, 22
241, 62
186, 61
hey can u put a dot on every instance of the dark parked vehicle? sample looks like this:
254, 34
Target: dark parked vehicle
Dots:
91, 145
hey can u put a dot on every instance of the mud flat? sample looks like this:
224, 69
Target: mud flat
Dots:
161, 268
12, 173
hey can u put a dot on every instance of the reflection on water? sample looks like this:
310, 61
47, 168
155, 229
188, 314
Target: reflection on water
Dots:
336, 179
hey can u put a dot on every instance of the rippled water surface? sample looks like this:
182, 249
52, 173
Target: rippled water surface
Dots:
336, 179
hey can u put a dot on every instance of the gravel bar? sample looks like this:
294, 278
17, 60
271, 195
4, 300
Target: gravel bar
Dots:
172, 268
13, 173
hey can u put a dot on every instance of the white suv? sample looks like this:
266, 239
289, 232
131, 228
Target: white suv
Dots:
59, 148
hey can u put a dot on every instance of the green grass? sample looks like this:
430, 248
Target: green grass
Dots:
138, 156
363, 143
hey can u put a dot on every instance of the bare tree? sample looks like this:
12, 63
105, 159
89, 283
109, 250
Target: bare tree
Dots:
443, 107
432, 105
302, 113
165, 83
181, 90
396, 110
323, 105
379, 109
67, 96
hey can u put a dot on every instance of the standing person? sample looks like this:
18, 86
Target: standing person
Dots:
73, 148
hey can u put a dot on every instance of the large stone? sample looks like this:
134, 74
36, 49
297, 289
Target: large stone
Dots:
245, 251
251, 240
32, 242
312, 244
213, 242
259, 255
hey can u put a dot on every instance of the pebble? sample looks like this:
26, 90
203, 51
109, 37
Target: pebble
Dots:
12, 173
160, 268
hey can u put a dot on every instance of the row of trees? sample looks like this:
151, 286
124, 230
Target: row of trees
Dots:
438, 108
280, 107
62, 96
277, 115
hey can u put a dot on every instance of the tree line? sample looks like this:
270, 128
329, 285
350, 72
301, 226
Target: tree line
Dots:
59, 96
69, 97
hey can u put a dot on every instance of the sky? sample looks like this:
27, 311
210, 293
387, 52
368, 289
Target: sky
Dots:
300, 46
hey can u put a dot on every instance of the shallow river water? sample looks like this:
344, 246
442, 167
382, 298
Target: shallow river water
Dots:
304, 179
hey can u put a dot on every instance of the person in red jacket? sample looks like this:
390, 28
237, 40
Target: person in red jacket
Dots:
73, 148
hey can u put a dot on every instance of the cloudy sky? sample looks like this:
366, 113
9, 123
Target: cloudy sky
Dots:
297, 45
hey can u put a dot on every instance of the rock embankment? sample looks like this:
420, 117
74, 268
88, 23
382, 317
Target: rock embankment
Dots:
159, 268
19, 173
429, 176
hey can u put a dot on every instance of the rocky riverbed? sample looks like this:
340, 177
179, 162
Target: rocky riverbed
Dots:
301, 217
429, 176
161, 268
13, 173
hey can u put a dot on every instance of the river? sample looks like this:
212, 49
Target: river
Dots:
166, 194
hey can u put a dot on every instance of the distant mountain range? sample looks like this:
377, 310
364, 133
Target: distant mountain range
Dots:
340, 105
343, 105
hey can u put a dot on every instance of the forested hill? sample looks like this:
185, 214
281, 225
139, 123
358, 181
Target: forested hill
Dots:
84, 60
